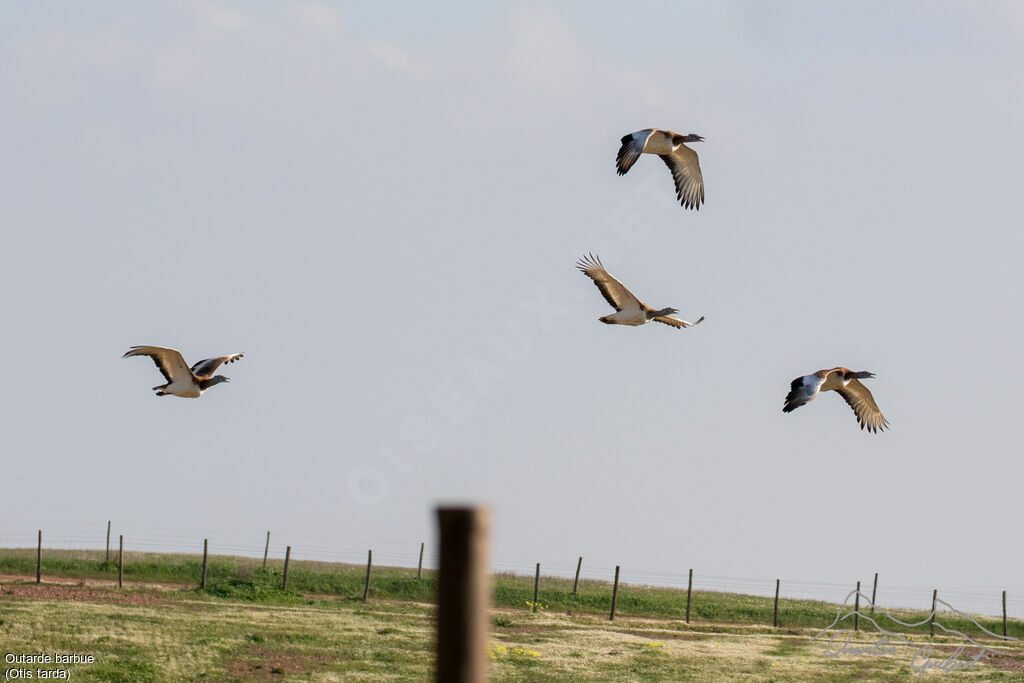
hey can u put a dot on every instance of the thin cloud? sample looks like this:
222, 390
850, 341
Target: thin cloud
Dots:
224, 19
397, 59
320, 17
545, 55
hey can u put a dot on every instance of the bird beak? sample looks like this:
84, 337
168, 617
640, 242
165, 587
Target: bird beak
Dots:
700, 138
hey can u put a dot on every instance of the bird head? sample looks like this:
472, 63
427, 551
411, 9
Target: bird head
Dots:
693, 137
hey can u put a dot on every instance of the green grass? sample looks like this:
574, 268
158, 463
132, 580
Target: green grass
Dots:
241, 578
181, 634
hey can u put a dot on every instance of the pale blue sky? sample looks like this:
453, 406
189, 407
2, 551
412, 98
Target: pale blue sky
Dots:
381, 206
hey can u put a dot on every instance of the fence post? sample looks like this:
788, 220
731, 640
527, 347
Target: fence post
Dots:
689, 591
39, 558
366, 586
775, 615
419, 567
266, 549
576, 581
202, 581
536, 586
615, 593
463, 594
108, 542
856, 609
874, 591
1004, 613
120, 561
935, 597
284, 579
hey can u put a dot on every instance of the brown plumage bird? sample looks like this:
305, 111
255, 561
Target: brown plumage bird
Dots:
682, 161
628, 309
182, 380
847, 384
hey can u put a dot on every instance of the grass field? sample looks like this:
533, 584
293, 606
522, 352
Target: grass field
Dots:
244, 627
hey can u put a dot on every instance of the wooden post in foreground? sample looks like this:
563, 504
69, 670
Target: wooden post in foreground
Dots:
266, 549
202, 581
536, 585
419, 567
284, 579
108, 542
120, 561
935, 597
1004, 613
874, 592
856, 609
463, 594
689, 591
39, 558
576, 581
366, 586
615, 593
775, 615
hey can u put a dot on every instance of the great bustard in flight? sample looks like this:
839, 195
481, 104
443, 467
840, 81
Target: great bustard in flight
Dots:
679, 158
181, 379
628, 309
847, 384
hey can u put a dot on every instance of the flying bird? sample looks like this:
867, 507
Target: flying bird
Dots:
628, 309
182, 380
680, 159
847, 384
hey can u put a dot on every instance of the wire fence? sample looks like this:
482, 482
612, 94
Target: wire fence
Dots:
983, 600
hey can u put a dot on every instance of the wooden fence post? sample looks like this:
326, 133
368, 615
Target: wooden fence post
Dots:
39, 558
284, 579
689, 591
120, 561
419, 567
856, 609
874, 592
536, 585
775, 615
108, 542
463, 594
615, 593
266, 549
576, 581
366, 586
202, 581
1004, 613
935, 597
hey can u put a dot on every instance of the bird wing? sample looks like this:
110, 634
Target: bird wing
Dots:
615, 293
864, 406
802, 390
686, 173
169, 361
204, 369
676, 322
631, 149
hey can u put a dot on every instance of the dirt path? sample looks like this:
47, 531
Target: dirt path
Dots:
84, 590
